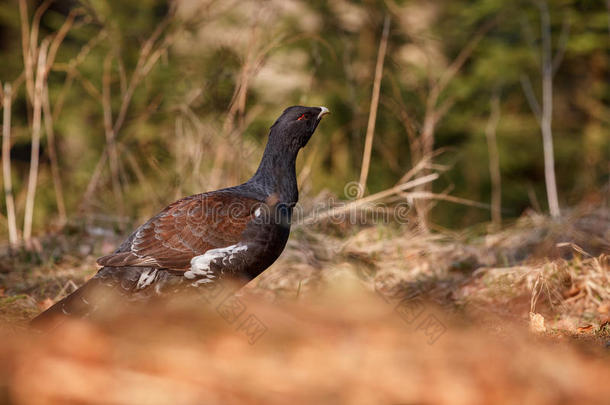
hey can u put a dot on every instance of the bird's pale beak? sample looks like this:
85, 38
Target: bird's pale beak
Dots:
323, 112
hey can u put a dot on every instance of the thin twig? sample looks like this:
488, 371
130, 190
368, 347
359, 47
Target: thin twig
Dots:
110, 134
87, 85
36, 27
306, 169
562, 44
398, 107
48, 122
526, 84
95, 177
435, 112
370, 129
142, 64
33, 177
371, 198
135, 166
593, 107
423, 163
6, 166
414, 195
25, 48
547, 110
59, 37
494, 160
608, 7
531, 194
142, 67
237, 108
465, 54
71, 70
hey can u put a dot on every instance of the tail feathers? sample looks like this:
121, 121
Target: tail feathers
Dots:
109, 287
107, 284
80, 304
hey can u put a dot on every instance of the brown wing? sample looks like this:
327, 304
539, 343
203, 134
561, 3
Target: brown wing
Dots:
185, 229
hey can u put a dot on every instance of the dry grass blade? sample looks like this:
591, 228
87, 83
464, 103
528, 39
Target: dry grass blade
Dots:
494, 161
95, 178
6, 166
547, 111
111, 134
237, 108
145, 62
307, 166
59, 37
135, 166
48, 122
370, 129
35, 29
575, 247
36, 124
25, 45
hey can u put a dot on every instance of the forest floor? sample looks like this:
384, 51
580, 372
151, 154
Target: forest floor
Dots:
378, 314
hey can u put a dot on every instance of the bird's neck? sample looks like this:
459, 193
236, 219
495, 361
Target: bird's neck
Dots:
276, 174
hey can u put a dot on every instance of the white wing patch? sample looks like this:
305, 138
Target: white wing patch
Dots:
146, 260
200, 265
146, 278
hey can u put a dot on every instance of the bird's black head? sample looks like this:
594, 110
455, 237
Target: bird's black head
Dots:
296, 125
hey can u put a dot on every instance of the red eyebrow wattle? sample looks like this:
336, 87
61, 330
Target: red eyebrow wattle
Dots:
301, 117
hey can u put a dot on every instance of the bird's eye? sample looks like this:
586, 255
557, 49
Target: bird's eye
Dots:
301, 117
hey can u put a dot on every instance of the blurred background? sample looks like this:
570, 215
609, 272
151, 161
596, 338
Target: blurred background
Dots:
142, 102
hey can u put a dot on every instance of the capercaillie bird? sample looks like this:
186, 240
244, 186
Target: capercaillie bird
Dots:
230, 234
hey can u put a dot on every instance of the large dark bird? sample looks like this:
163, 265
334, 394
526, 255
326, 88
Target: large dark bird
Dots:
230, 234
